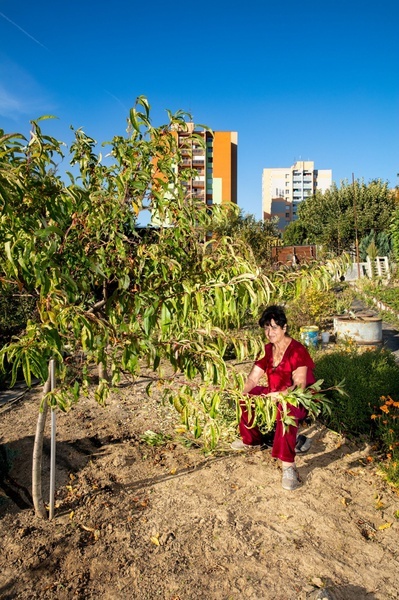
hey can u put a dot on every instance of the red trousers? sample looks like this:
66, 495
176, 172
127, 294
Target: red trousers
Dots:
283, 443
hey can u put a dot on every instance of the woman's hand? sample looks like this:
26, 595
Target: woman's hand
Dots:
253, 379
275, 396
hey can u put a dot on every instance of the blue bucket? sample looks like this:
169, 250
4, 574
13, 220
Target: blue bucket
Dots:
309, 335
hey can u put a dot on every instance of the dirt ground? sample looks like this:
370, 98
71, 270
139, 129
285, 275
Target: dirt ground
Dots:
136, 521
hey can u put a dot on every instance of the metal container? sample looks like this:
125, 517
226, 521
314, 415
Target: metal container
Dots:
362, 330
309, 335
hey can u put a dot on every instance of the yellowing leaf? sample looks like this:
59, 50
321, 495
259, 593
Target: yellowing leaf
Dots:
173, 471
71, 514
384, 526
155, 540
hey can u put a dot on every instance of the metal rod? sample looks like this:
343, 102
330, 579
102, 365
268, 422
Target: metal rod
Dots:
53, 435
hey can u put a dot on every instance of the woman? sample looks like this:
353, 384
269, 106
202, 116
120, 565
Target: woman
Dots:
287, 365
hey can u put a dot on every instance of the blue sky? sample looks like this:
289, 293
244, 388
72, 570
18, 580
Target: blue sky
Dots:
311, 80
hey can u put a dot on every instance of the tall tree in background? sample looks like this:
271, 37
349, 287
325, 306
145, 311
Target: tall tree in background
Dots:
295, 234
244, 229
394, 232
331, 218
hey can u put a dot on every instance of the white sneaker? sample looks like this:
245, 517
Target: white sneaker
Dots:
290, 479
239, 445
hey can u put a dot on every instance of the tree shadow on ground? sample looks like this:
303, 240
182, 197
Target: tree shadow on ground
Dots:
340, 592
71, 457
318, 456
16, 466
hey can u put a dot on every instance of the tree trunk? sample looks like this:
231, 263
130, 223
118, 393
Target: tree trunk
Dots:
37, 494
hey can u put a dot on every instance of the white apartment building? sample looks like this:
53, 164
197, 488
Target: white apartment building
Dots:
284, 188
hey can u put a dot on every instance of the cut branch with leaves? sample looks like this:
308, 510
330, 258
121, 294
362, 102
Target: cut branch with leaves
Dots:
264, 410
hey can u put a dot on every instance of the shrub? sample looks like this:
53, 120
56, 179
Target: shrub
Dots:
317, 307
15, 310
386, 420
368, 375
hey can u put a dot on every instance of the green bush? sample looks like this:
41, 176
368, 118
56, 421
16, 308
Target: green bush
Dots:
15, 310
368, 376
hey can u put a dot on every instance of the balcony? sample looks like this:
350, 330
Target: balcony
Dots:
185, 150
199, 182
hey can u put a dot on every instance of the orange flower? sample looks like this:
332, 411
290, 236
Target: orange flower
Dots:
374, 417
384, 408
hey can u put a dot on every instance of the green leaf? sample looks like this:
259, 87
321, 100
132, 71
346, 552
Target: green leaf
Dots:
26, 370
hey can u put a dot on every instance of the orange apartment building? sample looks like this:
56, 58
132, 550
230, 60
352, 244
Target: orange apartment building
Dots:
215, 162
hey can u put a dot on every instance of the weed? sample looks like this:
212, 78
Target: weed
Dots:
155, 439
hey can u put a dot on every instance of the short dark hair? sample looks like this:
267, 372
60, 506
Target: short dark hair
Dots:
274, 312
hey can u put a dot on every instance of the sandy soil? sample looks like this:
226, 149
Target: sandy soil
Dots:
144, 522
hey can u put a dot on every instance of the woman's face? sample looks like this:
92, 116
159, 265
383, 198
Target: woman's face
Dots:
274, 332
